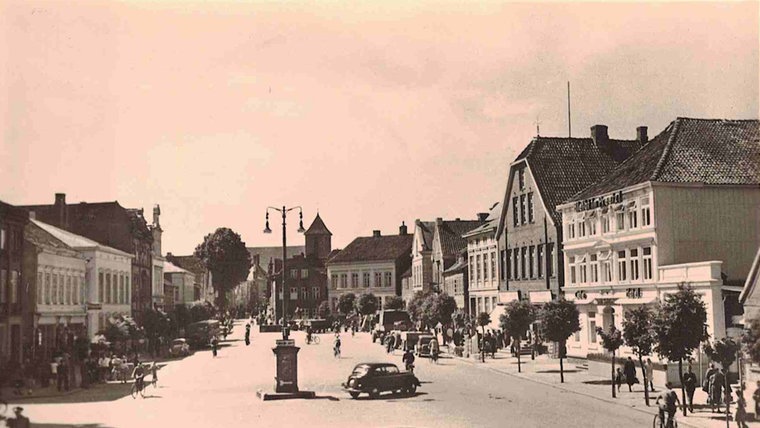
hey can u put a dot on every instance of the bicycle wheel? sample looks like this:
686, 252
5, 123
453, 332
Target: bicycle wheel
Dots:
133, 390
656, 421
315, 339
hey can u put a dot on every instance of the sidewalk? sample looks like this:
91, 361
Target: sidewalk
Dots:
545, 370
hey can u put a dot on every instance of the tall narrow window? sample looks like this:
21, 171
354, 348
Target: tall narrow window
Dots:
129, 291
583, 269
581, 229
334, 281
592, 327
486, 270
365, 279
503, 267
531, 260
594, 268
48, 288
516, 263
478, 272
101, 287
540, 261
607, 271
40, 288
592, 226
55, 289
515, 212
14, 286
523, 263
108, 287
530, 207
571, 230
355, 280
522, 209
647, 256
571, 263
472, 268
521, 178
605, 223
634, 264
633, 219
3, 285
646, 215
621, 266
551, 260
493, 265
620, 220
388, 279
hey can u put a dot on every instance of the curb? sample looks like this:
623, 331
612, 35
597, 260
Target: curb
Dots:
681, 420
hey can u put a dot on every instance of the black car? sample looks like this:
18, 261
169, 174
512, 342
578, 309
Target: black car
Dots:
375, 378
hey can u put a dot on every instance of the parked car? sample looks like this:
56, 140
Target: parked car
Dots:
390, 319
376, 378
423, 345
179, 348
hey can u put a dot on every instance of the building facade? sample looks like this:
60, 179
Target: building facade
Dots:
183, 285
422, 260
12, 295
202, 276
456, 282
547, 172
157, 261
448, 243
372, 264
682, 210
483, 265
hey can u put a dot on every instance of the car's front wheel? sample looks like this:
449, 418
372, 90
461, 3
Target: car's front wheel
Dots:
411, 389
354, 395
374, 393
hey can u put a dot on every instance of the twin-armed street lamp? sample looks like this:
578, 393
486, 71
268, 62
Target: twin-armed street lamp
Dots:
285, 296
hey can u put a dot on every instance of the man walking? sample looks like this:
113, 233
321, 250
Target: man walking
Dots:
649, 376
690, 385
629, 370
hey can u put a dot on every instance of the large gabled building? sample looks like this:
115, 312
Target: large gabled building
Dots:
547, 172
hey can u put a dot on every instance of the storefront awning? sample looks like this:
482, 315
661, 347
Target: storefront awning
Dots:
508, 296
539, 297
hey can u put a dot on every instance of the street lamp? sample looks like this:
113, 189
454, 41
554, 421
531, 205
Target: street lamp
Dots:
284, 211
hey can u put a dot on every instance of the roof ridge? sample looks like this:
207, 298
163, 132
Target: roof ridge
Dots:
667, 150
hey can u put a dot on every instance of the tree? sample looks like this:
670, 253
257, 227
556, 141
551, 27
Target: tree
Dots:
346, 303
414, 306
201, 312
679, 327
323, 310
225, 256
483, 320
181, 317
437, 308
394, 302
724, 351
367, 304
637, 332
751, 340
560, 321
516, 319
611, 341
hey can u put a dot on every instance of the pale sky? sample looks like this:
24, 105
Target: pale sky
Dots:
370, 112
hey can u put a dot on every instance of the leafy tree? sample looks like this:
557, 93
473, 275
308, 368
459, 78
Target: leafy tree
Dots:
414, 306
181, 317
516, 319
611, 341
437, 308
751, 340
394, 302
346, 303
637, 332
483, 320
560, 321
679, 326
201, 312
367, 304
723, 351
224, 254
323, 310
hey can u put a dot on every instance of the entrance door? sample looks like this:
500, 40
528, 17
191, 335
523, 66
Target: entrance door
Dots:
608, 318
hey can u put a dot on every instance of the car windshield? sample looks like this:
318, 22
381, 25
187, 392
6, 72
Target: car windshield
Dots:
360, 370
391, 369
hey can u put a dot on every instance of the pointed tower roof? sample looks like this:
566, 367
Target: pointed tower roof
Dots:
318, 227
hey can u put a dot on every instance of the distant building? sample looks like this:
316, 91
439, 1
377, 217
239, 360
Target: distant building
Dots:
14, 306
157, 261
183, 285
202, 276
115, 226
422, 260
448, 242
372, 264
483, 264
682, 210
456, 282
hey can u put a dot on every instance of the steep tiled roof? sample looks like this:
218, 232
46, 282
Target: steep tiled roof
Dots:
170, 267
459, 266
318, 227
492, 221
189, 263
428, 229
450, 234
375, 248
708, 151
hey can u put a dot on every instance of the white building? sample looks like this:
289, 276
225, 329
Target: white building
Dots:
682, 210
483, 264
184, 287
106, 290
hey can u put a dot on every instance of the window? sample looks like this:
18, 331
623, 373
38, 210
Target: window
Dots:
581, 229
293, 293
521, 178
634, 264
523, 264
503, 268
620, 220
129, 290
516, 263
14, 286
594, 268
607, 271
101, 287
531, 261
108, 288
2, 238
304, 293
122, 297
647, 262
508, 266
530, 207
304, 273
456, 286
66, 288
485, 267
40, 287
571, 263
343, 280
621, 266
632, 219
522, 209
365, 279
592, 327
540, 261
48, 288
55, 289
82, 293
550, 258
605, 223
3, 285
354, 280
472, 268
571, 231
294, 273
592, 227
583, 269
515, 213
646, 216
334, 281
493, 265
315, 293
388, 279
478, 272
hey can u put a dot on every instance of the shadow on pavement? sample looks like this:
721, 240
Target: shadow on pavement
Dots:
326, 397
557, 371
598, 382
99, 392
393, 397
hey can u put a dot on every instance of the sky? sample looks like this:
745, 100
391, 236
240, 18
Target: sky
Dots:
370, 113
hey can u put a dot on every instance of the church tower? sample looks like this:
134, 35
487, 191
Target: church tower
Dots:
318, 240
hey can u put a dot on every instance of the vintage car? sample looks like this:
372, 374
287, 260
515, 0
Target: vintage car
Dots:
179, 348
376, 378
422, 349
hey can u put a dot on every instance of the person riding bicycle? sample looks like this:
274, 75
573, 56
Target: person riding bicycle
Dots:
408, 360
139, 375
308, 334
669, 405
336, 346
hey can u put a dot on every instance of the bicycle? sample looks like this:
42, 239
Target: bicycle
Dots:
138, 388
314, 341
656, 423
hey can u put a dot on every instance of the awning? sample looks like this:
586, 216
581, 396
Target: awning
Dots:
538, 297
508, 296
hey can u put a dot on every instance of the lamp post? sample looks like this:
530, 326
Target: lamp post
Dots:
284, 211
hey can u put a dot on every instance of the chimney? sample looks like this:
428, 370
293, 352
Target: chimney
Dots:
482, 216
439, 221
32, 215
60, 209
457, 219
641, 135
402, 229
600, 137
375, 233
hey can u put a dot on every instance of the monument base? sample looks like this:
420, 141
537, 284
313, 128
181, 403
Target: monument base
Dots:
268, 396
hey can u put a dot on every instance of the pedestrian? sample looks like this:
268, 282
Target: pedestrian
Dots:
63, 376
668, 406
690, 384
20, 421
619, 376
214, 345
741, 408
706, 380
389, 343
649, 375
54, 369
434, 349
717, 384
408, 360
756, 398
247, 334
629, 370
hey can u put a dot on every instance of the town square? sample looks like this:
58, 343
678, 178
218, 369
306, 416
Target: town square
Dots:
379, 214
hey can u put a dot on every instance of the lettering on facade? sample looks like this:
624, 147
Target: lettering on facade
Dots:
599, 202
580, 295
633, 293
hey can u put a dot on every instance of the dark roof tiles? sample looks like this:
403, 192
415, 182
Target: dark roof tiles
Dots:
375, 248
